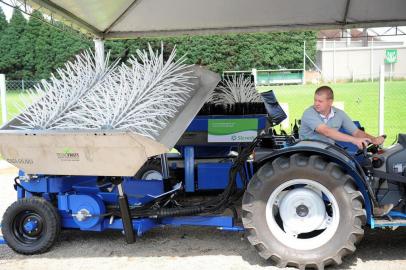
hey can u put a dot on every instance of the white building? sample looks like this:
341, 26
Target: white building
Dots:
352, 57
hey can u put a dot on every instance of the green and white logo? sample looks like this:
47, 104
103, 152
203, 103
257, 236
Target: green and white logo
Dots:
391, 56
232, 130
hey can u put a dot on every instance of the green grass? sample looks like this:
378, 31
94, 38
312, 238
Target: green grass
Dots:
361, 102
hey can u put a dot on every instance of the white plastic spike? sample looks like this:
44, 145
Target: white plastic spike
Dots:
140, 96
50, 101
236, 90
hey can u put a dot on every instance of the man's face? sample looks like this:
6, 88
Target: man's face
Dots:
322, 104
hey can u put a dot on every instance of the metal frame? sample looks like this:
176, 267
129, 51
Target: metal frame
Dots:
252, 29
56, 11
141, 226
69, 25
85, 187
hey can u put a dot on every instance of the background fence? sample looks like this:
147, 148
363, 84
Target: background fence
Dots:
359, 99
19, 85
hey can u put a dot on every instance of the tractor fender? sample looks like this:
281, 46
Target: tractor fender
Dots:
328, 151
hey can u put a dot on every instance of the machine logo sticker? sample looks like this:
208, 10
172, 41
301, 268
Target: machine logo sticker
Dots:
67, 154
232, 130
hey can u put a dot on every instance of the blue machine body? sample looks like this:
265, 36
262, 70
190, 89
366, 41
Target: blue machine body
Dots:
214, 176
82, 203
206, 175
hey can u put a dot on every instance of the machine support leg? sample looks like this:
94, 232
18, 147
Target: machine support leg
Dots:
125, 215
165, 167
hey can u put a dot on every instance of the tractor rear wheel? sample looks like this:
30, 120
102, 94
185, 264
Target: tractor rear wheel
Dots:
303, 211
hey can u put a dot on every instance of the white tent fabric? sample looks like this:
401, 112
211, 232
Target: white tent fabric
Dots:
109, 19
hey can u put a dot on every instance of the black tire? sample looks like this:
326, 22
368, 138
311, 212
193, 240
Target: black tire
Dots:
152, 165
269, 177
40, 239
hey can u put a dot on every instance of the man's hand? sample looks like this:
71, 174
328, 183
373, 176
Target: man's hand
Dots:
361, 142
378, 140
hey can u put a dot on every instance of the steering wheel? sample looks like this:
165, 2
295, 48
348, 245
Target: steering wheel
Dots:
369, 148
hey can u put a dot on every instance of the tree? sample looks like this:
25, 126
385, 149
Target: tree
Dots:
235, 51
3, 51
63, 46
51, 47
3, 21
36, 49
12, 46
34, 35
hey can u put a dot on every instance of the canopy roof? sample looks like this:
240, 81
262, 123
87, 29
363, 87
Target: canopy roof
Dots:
109, 19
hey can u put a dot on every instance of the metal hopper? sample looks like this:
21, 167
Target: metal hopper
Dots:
112, 153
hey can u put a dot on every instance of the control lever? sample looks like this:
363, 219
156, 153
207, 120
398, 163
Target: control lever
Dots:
363, 151
369, 148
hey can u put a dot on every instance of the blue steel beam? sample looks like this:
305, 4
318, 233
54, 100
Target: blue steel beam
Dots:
212, 221
189, 169
143, 225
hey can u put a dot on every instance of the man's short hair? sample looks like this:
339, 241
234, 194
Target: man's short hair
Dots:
325, 90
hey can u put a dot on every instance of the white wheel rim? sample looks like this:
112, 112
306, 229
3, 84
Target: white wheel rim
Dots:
152, 175
302, 209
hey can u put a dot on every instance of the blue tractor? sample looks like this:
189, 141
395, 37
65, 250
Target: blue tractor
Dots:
302, 203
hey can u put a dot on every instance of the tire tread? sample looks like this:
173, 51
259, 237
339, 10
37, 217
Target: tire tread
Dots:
320, 164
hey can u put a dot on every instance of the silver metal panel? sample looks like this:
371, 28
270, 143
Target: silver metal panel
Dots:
77, 153
129, 18
367, 10
100, 14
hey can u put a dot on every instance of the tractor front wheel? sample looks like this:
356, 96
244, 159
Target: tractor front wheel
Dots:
31, 225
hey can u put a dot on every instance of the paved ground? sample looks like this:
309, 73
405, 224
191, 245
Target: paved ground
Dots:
179, 248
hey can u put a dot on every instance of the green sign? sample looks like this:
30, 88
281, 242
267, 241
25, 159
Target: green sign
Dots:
232, 130
391, 56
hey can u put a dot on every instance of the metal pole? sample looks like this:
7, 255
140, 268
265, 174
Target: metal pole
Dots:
372, 61
254, 73
164, 166
125, 215
391, 72
99, 51
381, 99
348, 37
3, 98
334, 61
304, 63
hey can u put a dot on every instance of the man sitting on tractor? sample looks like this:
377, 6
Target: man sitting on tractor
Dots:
322, 122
